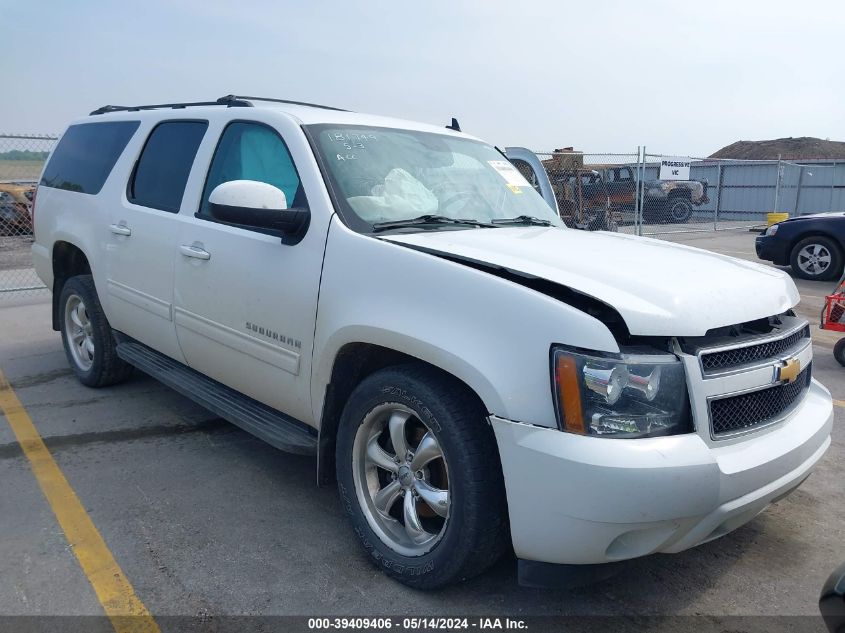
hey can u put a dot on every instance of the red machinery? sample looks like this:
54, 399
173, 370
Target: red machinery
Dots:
833, 318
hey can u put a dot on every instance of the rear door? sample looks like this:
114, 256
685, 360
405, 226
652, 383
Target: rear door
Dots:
142, 234
246, 303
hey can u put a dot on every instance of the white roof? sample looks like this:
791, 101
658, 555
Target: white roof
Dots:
304, 114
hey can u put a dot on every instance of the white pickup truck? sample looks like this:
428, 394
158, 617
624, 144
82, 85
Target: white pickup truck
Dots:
396, 299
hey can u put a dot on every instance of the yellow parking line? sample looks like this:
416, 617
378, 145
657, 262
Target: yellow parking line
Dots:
114, 591
839, 403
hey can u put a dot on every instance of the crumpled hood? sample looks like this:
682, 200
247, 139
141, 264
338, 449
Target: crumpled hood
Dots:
659, 288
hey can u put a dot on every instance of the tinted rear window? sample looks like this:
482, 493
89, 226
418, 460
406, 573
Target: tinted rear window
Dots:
163, 168
84, 158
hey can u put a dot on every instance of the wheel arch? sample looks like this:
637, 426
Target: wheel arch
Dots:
68, 260
352, 364
840, 242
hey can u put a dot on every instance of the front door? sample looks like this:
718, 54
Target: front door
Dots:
245, 304
621, 187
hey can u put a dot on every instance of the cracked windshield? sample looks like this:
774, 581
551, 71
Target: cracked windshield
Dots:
383, 175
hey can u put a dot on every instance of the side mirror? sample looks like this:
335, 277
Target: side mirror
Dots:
253, 204
832, 601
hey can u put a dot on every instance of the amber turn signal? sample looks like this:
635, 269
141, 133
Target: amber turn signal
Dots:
569, 394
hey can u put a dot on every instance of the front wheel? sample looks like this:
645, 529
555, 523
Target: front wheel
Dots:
816, 257
679, 210
419, 476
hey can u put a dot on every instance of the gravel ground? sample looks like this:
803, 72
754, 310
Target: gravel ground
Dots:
15, 253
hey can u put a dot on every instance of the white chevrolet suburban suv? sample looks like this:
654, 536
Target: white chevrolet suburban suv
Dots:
396, 299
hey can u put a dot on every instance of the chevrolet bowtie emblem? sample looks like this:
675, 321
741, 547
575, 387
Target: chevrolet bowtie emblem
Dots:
788, 372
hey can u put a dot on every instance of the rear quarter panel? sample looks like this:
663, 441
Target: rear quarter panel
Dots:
81, 219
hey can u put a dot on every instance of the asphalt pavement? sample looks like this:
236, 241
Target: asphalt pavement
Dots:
205, 520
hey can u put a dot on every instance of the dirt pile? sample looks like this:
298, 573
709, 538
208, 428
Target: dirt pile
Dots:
792, 148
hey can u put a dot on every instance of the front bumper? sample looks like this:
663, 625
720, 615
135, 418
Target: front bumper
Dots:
584, 500
772, 249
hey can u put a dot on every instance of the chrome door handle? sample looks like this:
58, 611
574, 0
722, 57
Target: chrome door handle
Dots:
189, 250
120, 229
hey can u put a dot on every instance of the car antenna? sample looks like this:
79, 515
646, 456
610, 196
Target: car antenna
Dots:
454, 125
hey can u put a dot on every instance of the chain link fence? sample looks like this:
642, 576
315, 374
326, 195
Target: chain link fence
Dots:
809, 187
593, 191
623, 191
741, 193
21, 160
717, 196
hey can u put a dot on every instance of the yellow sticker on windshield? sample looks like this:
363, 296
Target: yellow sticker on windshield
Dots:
514, 188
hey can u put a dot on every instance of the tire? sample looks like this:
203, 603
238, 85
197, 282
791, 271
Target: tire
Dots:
652, 212
678, 211
87, 336
839, 351
817, 257
594, 224
650, 217
467, 532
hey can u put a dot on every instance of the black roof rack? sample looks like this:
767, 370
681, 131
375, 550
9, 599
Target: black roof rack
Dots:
302, 103
230, 101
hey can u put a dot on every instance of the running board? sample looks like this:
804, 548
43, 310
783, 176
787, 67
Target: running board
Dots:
274, 427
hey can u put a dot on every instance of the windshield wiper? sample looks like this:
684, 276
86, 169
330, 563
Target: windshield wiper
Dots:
428, 219
523, 219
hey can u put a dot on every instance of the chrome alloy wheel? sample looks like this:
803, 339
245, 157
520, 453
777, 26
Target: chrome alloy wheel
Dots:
401, 479
814, 259
79, 332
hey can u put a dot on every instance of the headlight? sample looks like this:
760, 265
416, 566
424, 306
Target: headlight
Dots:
772, 229
636, 395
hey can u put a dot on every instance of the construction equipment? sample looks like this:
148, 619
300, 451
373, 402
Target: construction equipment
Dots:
833, 318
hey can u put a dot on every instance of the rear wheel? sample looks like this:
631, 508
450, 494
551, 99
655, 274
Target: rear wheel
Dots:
87, 336
419, 476
817, 257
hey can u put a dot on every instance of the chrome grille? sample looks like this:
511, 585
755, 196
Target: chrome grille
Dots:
746, 411
737, 357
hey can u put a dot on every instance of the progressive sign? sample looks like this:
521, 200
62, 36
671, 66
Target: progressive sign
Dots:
674, 168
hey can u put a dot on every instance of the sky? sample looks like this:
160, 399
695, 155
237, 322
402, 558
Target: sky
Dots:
678, 77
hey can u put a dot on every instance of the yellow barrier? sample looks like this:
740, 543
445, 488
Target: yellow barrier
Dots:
774, 218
